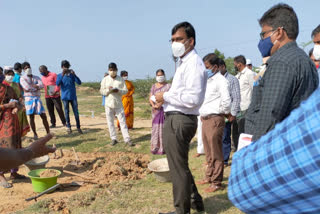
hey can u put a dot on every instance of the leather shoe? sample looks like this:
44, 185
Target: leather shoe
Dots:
202, 182
213, 188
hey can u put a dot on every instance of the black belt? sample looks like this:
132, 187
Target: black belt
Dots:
177, 113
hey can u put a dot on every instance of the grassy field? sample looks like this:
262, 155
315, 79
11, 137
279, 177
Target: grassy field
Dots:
141, 196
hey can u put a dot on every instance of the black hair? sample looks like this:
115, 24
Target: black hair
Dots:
8, 71
310, 52
212, 58
44, 67
65, 64
113, 66
17, 66
188, 29
1, 68
25, 64
160, 70
315, 31
221, 62
282, 15
240, 59
122, 73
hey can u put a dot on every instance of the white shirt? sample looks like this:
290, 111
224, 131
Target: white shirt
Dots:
246, 79
217, 98
113, 100
188, 86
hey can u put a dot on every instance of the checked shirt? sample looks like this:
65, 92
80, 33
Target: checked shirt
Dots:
280, 172
290, 78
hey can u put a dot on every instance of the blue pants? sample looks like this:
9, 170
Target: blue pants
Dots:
74, 105
226, 142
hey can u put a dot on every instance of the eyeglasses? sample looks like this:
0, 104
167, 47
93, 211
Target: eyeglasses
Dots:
268, 31
263, 33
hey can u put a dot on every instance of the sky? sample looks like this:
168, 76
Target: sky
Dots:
134, 34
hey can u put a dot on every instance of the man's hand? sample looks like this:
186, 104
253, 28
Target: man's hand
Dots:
231, 118
72, 72
159, 97
39, 147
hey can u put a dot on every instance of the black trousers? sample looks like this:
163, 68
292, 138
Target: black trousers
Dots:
178, 131
55, 102
237, 129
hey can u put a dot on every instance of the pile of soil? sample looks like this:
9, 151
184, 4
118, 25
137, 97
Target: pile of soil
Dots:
109, 167
48, 173
104, 168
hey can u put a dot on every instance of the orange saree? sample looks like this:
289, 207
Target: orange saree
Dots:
127, 102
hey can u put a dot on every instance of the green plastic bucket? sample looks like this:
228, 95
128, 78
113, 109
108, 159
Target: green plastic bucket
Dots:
42, 184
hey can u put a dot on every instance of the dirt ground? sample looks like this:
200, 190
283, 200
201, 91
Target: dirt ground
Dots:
103, 168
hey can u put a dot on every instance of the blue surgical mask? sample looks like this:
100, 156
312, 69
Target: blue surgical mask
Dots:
265, 46
209, 73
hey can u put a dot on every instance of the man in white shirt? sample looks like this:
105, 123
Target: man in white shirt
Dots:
113, 87
215, 107
181, 106
246, 79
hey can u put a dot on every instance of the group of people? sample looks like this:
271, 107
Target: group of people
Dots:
279, 108
20, 97
278, 172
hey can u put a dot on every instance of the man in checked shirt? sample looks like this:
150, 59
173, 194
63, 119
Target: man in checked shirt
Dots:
234, 90
290, 76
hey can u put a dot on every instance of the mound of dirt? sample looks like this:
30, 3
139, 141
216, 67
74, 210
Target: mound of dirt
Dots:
48, 173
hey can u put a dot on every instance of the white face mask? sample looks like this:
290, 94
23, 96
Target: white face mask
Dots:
178, 49
28, 71
316, 52
160, 78
125, 77
9, 78
113, 73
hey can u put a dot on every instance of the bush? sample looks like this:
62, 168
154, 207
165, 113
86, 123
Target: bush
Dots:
142, 87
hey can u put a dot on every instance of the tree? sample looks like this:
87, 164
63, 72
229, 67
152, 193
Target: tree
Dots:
219, 54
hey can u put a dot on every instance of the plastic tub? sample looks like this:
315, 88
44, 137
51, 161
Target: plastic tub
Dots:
37, 163
161, 170
41, 184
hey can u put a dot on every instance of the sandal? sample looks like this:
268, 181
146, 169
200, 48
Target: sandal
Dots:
17, 176
5, 184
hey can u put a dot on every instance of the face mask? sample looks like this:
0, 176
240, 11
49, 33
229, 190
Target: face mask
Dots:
2, 77
28, 71
178, 49
316, 52
113, 73
9, 78
160, 79
125, 77
209, 73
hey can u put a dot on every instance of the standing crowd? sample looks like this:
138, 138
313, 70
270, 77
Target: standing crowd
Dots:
279, 107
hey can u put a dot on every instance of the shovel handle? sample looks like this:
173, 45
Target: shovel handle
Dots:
44, 192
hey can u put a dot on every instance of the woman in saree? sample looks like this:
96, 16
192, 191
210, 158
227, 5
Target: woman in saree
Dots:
157, 113
10, 133
127, 101
23, 121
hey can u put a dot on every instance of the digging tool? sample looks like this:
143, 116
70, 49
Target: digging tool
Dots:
79, 175
44, 192
76, 156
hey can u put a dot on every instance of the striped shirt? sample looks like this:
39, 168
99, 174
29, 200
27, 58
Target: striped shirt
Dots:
28, 84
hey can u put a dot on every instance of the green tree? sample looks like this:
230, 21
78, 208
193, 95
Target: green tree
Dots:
219, 54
